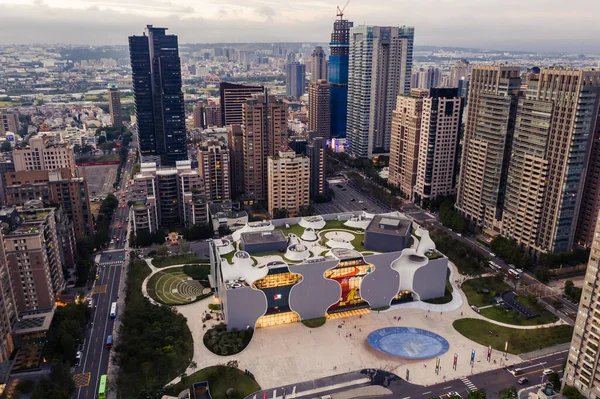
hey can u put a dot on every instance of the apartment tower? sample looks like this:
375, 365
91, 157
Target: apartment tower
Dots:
233, 96
338, 76
114, 105
555, 124
379, 71
8, 308
438, 145
159, 106
316, 150
319, 117
236, 159
41, 154
264, 134
405, 136
288, 181
458, 71
9, 122
213, 166
487, 143
198, 116
318, 65
295, 77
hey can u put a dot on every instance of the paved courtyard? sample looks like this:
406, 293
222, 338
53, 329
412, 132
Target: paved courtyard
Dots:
100, 179
292, 353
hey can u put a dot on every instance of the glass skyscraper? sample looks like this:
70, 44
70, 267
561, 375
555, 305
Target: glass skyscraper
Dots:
338, 76
160, 114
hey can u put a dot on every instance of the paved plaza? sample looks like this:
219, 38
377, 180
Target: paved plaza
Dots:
292, 353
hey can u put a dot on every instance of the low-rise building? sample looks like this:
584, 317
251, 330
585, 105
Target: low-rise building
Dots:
222, 214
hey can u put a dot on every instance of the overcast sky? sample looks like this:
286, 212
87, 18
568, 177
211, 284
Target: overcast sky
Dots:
544, 25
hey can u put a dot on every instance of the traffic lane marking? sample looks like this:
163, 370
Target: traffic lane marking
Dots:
537, 371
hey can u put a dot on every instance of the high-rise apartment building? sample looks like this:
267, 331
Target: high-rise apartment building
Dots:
54, 186
288, 181
316, 150
264, 134
34, 261
426, 78
582, 367
233, 96
167, 197
590, 203
319, 117
338, 76
458, 71
43, 154
9, 122
236, 154
438, 145
295, 78
8, 307
487, 141
555, 124
405, 136
379, 71
318, 65
114, 105
198, 116
159, 106
214, 168
212, 115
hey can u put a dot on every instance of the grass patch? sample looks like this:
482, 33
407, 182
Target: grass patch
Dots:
519, 341
197, 271
149, 357
175, 260
294, 229
220, 379
314, 323
511, 316
473, 290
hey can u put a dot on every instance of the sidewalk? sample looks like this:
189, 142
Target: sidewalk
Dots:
546, 351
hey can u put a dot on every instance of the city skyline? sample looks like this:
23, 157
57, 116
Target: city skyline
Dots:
109, 22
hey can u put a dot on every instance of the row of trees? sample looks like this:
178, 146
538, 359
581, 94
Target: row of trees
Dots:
574, 293
225, 343
452, 219
511, 252
304, 210
197, 232
66, 332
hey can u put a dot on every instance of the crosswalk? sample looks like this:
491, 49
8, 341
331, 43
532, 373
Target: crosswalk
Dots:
112, 263
469, 384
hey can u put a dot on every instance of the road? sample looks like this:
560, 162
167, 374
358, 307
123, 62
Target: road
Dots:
110, 261
343, 201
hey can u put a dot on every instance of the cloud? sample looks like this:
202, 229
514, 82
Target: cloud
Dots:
543, 25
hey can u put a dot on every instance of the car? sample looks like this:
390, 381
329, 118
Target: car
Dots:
90, 303
97, 276
79, 355
352, 200
493, 255
343, 189
454, 394
365, 209
112, 241
117, 240
458, 234
361, 202
548, 372
523, 380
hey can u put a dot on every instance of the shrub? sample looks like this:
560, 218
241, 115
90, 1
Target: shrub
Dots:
26, 386
214, 306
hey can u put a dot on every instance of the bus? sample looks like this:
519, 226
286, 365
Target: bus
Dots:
494, 266
514, 273
109, 342
113, 310
102, 387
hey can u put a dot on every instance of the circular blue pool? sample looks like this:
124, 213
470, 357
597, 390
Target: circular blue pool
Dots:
408, 342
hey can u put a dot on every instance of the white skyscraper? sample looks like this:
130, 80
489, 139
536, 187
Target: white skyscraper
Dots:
379, 70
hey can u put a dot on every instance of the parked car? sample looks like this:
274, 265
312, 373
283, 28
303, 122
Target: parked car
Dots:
548, 372
454, 394
523, 380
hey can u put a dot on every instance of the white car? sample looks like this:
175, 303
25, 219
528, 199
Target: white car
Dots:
79, 355
454, 394
548, 372
493, 255
112, 241
361, 202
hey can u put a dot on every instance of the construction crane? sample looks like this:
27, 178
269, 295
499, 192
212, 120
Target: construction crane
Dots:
340, 13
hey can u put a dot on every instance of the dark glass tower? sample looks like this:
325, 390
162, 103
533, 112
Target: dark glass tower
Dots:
338, 76
159, 106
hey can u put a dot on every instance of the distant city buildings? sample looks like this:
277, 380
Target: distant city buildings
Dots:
379, 70
319, 116
288, 182
338, 76
214, 168
159, 106
295, 79
114, 105
458, 72
318, 65
426, 78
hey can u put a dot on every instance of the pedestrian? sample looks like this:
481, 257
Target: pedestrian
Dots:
461, 313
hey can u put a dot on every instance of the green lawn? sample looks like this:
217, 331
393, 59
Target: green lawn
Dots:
314, 323
519, 341
472, 289
294, 229
176, 260
220, 379
174, 287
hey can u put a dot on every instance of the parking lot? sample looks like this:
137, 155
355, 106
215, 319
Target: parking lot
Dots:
348, 199
100, 179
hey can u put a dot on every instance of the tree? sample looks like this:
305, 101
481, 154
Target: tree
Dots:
508, 393
280, 213
162, 250
554, 379
572, 393
543, 274
5, 146
569, 285
224, 230
480, 394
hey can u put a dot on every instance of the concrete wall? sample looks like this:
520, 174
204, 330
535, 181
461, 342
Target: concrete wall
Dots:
379, 242
314, 294
430, 280
243, 307
379, 287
